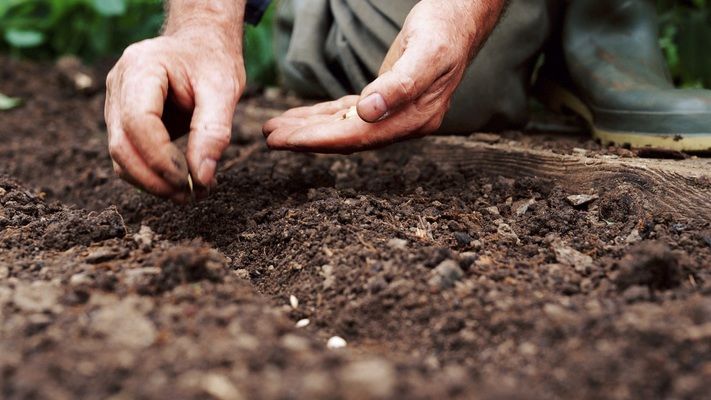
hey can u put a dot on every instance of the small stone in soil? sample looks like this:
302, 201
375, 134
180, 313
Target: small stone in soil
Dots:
36, 297
580, 200
336, 342
369, 379
144, 237
521, 207
707, 239
567, 255
397, 244
303, 323
493, 210
101, 255
463, 238
446, 274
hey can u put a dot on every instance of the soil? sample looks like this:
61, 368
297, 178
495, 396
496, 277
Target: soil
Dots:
442, 285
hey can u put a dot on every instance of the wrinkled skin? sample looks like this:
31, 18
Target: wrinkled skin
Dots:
412, 93
187, 81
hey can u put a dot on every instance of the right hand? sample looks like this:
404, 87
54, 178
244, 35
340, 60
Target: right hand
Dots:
186, 82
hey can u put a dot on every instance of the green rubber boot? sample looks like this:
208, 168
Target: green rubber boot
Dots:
610, 70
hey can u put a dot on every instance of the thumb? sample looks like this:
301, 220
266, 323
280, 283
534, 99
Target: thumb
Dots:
410, 76
210, 130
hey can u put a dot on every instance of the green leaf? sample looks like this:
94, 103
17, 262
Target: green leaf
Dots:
24, 38
109, 8
8, 103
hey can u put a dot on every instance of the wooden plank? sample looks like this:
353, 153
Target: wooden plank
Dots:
678, 188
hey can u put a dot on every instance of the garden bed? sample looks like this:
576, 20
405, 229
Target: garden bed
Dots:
494, 266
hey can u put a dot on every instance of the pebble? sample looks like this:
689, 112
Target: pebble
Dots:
220, 387
242, 274
506, 231
100, 255
36, 297
336, 342
463, 238
79, 279
295, 343
124, 325
521, 207
446, 274
633, 237
369, 379
581, 199
144, 238
329, 279
303, 323
294, 302
567, 255
397, 244
493, 210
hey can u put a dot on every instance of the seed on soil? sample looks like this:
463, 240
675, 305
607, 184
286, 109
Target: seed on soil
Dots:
336, 342
294, 302
303, 323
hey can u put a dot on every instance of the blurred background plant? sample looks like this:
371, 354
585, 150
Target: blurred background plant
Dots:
685, 28
99, 29
96, 29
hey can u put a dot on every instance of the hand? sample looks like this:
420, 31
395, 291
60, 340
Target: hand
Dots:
410, 97
187, 81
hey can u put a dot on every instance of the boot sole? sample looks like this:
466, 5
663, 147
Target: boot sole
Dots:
561, 100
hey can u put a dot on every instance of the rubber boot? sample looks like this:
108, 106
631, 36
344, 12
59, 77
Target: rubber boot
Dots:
610, 70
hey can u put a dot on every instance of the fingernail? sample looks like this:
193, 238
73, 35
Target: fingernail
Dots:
372, 108
207, 170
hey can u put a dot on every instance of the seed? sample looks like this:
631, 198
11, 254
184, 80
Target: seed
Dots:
293, 301
351, 113
336, 342
303, 323
190, 185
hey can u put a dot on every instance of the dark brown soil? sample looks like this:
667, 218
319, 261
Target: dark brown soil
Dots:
442, 285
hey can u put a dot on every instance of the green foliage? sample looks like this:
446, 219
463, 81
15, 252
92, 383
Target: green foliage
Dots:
685, 39
92, 29
88, 28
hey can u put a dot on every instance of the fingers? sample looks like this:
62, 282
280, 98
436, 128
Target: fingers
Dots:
143, 96
410, 76
286, 122
211, 128
129, 165
335, 135
329, 107
138, 141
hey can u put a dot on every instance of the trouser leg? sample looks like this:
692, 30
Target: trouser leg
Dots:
331, 48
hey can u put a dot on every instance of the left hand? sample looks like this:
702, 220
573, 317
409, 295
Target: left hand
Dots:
410, 97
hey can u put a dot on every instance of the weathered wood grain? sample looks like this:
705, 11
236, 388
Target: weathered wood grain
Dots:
678, 188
